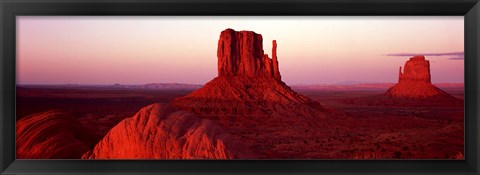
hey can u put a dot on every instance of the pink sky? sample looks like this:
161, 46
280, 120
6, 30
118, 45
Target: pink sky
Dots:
311, 50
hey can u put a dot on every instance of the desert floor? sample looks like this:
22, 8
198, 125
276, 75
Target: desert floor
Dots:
371, 130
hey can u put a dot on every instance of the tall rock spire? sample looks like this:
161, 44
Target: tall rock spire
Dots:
400, 74
241, 53
276, 72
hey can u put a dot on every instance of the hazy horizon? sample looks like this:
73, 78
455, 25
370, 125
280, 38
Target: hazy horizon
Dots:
96, 50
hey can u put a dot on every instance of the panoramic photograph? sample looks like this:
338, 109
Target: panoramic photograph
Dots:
230, 87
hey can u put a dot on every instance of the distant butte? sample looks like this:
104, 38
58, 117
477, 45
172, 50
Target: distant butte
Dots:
415, 82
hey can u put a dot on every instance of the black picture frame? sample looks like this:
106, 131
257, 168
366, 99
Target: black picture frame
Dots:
9, 9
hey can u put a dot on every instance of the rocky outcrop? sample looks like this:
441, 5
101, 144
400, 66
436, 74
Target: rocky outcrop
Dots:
241, 53
51, 135
160, 132
415, 82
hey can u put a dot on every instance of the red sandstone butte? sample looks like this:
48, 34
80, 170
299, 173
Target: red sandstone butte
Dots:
51, 135
160, 132
246, 77
415, 81
249, 99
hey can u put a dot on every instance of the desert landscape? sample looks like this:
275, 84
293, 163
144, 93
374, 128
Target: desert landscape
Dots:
246, 112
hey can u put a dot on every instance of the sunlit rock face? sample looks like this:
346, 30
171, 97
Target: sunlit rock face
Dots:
160, 132
415, 81
241, 53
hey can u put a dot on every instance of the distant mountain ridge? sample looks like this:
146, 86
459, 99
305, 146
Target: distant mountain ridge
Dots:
160, 86
120, 86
